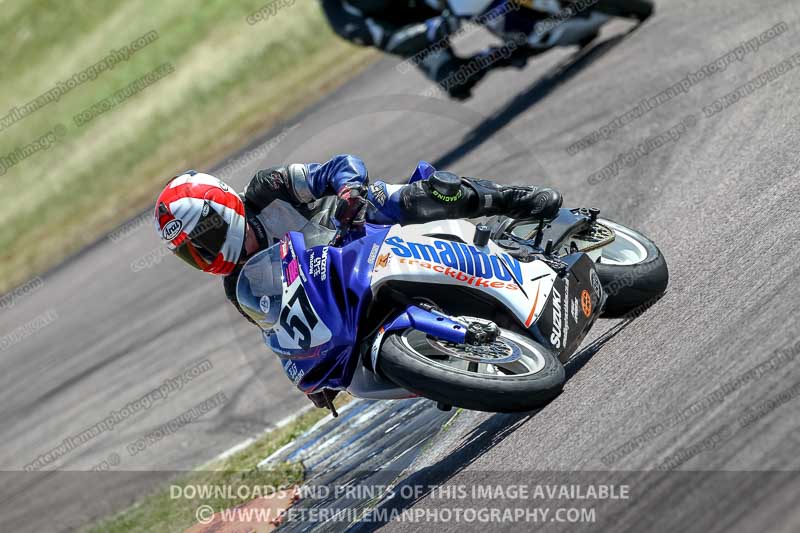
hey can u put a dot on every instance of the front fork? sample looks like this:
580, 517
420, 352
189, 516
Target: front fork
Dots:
436, 324
428, 321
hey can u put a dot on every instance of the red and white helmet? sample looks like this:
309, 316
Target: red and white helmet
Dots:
201, 219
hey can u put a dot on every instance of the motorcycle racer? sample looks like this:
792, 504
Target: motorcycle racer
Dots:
420, 30
407, 29
209, 226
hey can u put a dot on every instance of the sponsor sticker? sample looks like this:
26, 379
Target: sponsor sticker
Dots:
318, 266
172, 229
292, 271
586, 303
378, 193
376, 348
373, 254
574, 310
565, 313
264, 304
597, 287
383, 260
474, 281
459, 260
295, 374
555, 333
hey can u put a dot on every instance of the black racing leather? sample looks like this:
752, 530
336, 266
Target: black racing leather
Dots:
445, 186
419, 204
264, 188
422, 201
514, 201
394, 17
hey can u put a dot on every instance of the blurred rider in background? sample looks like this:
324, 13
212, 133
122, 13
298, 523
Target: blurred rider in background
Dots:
420, 30
404, 28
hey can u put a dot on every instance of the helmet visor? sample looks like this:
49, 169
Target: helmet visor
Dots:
210, 232
194, 256
205, 240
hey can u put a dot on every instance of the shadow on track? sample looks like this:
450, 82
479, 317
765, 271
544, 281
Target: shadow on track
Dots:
483, 438
558, 75
479, 441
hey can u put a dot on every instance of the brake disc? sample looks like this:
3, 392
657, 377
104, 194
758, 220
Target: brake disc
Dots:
499, 351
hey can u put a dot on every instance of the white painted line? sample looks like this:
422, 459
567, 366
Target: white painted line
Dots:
250, 440
291, 418
313, 428
233, 449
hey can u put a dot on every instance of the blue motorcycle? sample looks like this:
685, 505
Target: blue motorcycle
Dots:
479, 317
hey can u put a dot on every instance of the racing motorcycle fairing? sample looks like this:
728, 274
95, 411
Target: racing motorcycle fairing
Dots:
324, 291
557, 308
437, 253
423, 171
573, 306
323, 306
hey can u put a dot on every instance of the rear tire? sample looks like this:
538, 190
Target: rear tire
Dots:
632, 288
635, 9
424, 375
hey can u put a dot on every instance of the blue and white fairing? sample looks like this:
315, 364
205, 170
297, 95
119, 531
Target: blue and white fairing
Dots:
311, 317
323, 292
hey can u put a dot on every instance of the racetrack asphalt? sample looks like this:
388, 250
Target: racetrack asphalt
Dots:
721, 201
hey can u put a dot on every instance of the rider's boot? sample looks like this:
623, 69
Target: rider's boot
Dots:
577, 30
513, 201
446, 196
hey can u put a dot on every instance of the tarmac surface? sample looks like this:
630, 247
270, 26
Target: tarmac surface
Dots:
706, 380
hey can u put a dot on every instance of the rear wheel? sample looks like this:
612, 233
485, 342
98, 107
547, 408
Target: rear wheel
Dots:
632, 270
511, 374
636, 9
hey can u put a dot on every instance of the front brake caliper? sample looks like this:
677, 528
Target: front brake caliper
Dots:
481, 333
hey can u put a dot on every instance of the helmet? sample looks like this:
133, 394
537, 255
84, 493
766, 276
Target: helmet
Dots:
201, 219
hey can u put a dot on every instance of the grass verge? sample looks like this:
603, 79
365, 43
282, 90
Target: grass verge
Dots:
159, 512
71, 180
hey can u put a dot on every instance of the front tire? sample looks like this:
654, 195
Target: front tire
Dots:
632, 270
428, 368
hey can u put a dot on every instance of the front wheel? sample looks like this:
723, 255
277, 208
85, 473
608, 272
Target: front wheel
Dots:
512, 374
636, 9
632, 270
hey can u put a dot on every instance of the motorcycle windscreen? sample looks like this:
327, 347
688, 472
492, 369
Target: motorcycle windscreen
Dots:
279, 218
259, 287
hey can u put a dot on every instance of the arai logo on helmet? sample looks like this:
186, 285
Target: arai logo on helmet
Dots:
171, 229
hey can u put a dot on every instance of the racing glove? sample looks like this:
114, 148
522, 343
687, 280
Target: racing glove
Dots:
351, 207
